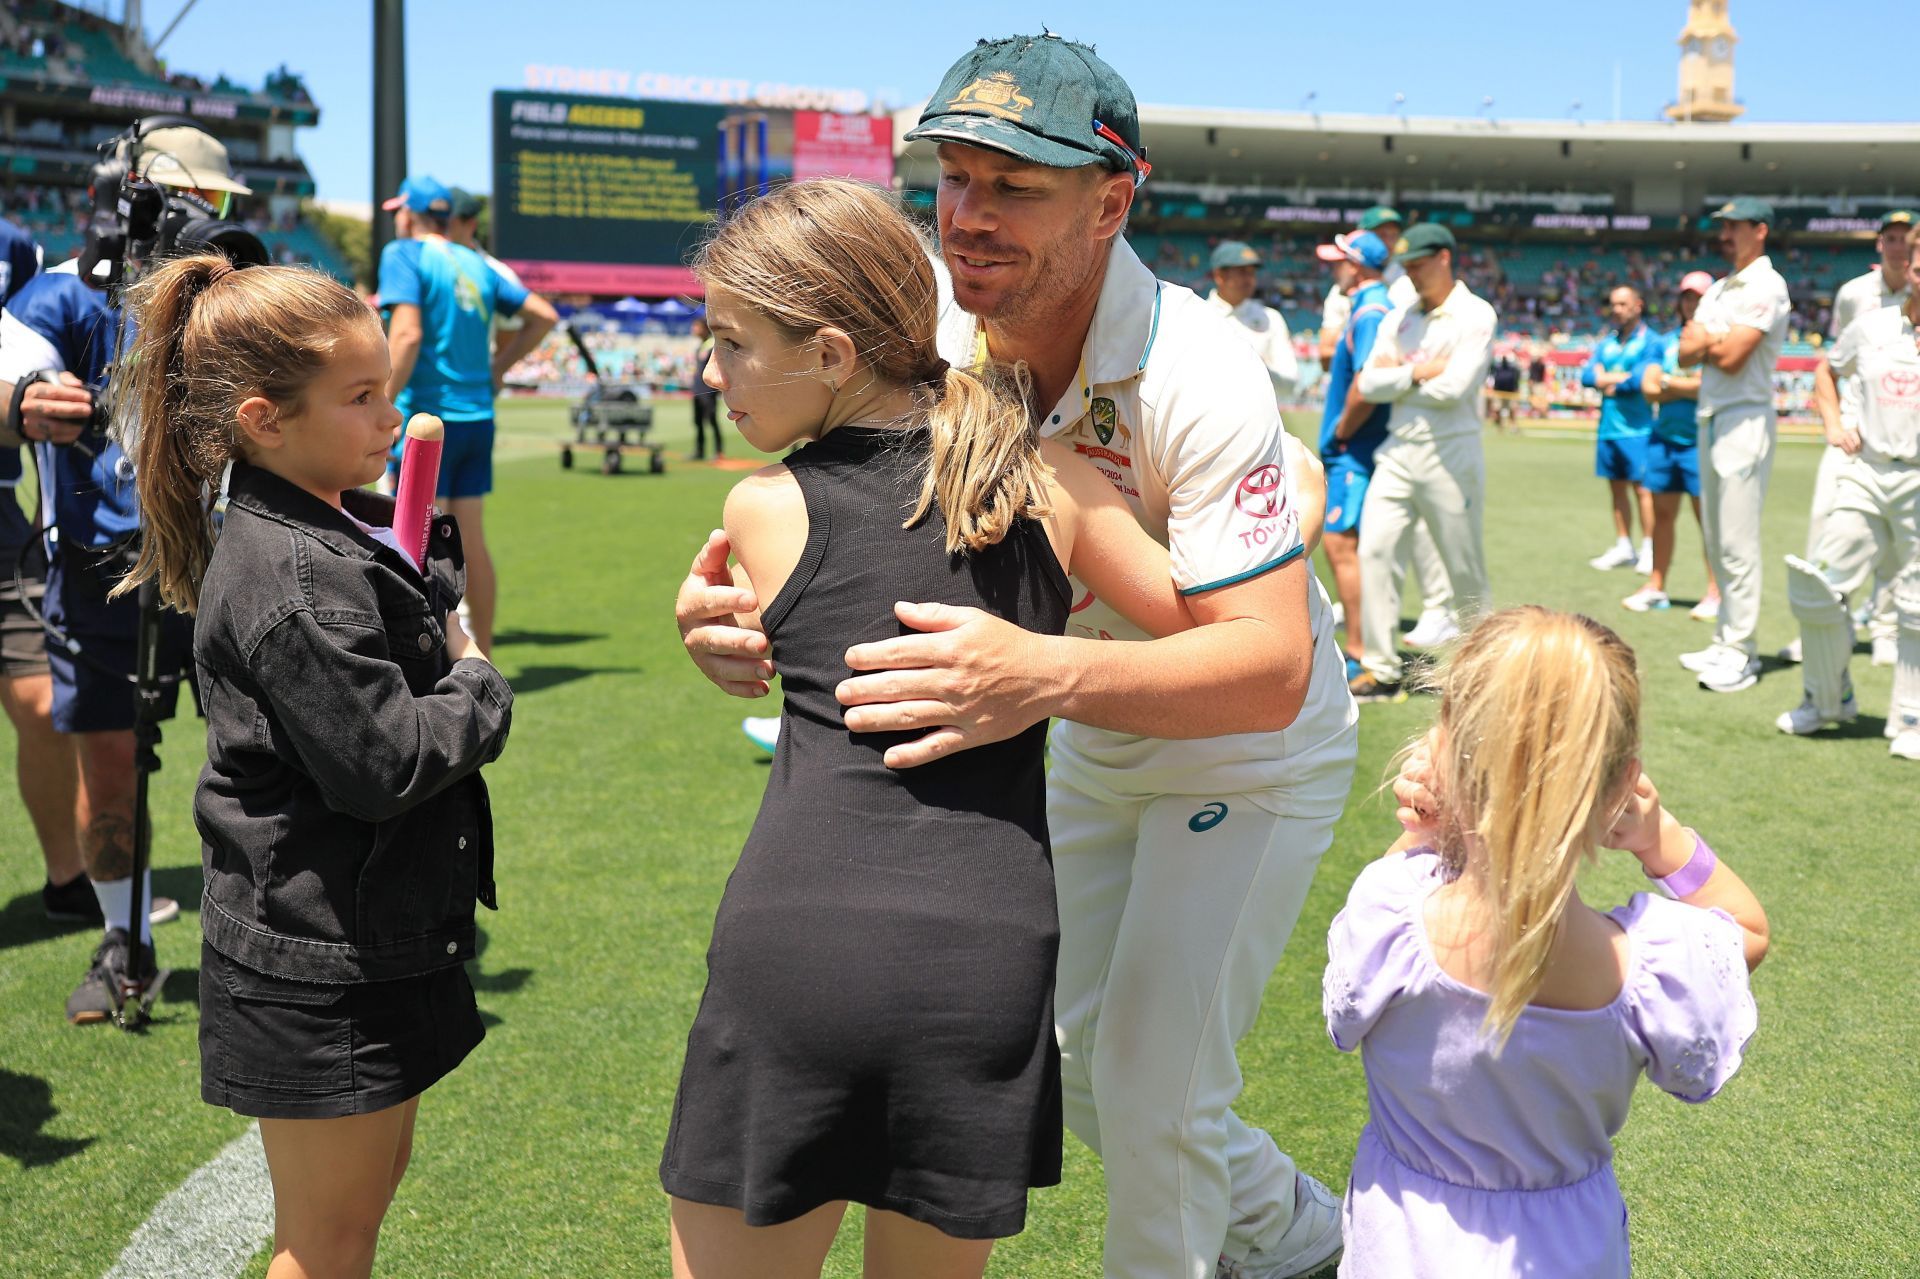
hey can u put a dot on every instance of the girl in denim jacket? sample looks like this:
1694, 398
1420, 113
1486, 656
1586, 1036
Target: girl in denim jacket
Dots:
346, 833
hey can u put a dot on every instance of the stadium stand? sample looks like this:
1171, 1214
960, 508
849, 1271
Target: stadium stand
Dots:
75, 78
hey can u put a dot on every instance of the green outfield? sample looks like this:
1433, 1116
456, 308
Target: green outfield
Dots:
627, 789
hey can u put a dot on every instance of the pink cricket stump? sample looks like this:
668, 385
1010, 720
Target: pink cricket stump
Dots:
419, 476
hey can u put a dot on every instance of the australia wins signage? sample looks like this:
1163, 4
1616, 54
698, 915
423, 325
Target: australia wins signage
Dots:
826, 144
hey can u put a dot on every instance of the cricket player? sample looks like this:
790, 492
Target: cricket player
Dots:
1874, 517
1430, 363
1385, 221
1626, 420
1885, 285
1735, 337
1236, 276
1195, 779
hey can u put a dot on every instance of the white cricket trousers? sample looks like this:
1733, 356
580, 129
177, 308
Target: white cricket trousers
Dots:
1443, 484
1826, 493
1174, 910
1736, 461
1873, 520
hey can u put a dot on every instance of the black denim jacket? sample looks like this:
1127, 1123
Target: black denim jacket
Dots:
345, 826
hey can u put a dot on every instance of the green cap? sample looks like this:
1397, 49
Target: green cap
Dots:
1044, 99
1744, 208
1372, 218
1424, 240
465, 203
1897, 217
1233, 253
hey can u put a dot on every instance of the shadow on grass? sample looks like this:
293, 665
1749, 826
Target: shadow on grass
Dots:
544, 639
26, 1104
507, 981
532, 679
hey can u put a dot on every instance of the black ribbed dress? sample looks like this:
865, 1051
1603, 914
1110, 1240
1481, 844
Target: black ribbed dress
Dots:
878, 1019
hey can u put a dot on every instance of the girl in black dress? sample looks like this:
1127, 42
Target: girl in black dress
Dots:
877, 1026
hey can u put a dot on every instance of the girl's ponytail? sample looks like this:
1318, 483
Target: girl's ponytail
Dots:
211, 336
985, 471
171, 476
1539, 723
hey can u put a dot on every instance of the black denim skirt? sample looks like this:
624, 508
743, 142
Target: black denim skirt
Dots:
273, 1048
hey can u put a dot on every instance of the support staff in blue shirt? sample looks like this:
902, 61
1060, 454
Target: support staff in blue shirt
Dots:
1673, 452
440, 298
1625, 422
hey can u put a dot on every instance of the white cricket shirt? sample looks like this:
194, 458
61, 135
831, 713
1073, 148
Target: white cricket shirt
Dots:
1879, 350
1753, 297
1174, 409
1461, 329
1266, 331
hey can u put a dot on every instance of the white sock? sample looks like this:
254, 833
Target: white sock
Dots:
116, 899
1646, 546
1622, 544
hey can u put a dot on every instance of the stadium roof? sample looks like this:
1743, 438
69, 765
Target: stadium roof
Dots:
1648, 167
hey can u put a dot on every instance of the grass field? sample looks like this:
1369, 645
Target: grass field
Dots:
626, 791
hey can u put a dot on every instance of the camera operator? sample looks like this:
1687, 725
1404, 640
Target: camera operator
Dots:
44, 764
60, 337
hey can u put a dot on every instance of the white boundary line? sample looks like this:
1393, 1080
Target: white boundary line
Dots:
212, 1224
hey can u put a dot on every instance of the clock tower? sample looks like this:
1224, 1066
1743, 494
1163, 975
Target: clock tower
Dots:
1706, 65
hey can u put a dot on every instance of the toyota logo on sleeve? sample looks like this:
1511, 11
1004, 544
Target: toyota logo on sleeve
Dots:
1261, 492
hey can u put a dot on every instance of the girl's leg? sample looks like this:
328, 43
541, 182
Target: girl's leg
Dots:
332, 1182
1666, 517
711, 1242
901, 1248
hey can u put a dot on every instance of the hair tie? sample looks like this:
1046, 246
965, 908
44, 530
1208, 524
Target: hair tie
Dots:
937, 374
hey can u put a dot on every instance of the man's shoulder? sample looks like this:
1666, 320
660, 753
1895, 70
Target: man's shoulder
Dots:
55, 297
1195, 355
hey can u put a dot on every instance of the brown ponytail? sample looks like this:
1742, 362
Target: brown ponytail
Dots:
831, 252
208, 338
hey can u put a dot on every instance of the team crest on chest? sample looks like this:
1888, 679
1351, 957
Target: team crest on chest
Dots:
1104, 418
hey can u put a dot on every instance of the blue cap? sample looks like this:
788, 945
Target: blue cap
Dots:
1365, 248
422, 194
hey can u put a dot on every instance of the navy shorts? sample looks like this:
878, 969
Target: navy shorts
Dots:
93, 691
1621, 459
23, 645
466, 460
1346, 495
1672, 468
274, 1048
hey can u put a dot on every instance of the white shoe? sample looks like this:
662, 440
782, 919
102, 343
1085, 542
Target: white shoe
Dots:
1791, 653
1906, 745
1339, 616
1646, 599
1805, 719
764, 733
1435, 627
1619, 555
1643, 563
1731, 676
1886, 650
1700, 659
1707, 610
1311, 1241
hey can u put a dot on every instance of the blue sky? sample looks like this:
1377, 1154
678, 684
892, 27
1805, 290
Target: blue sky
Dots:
1535, 58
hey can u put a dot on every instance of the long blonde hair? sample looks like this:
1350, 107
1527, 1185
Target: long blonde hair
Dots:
835, 253
209, 337
1539, 723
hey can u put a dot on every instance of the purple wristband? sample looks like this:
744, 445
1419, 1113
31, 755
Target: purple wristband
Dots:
1692, 877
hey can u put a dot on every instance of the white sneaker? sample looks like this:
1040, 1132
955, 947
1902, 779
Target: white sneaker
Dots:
1707, 610
1805, 719
1311, 1241
1906, 745
1435, 627
1886, 650
764, 733
1732, 676
1712, 655
1791, 653
1643, 562
1646, 599
1619, 555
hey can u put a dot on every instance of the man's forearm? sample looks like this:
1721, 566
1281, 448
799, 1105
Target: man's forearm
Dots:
1227, 677
524, 340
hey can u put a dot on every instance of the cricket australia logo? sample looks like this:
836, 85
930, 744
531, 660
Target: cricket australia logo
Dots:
1104, 418
996, 95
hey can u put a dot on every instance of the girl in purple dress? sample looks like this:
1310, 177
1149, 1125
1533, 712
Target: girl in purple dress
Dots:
1503, 1022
